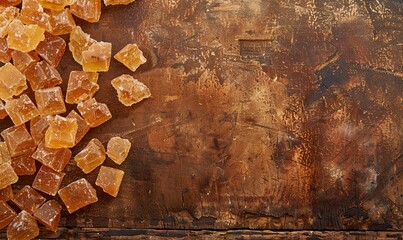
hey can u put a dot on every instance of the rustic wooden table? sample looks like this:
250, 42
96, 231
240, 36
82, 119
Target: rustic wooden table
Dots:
266, 115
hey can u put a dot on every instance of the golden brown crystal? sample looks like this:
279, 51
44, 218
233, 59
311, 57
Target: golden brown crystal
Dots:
89, 10
49, 215
97, 58
7, 214
32, 13
77, 195
51, 49
23, 60
23, 37
38, 127
54, 158
50, 101
130, 90
109, 179
7, 175
5, 52
48, 181
42, 75
21, 109
118, 149
12, 81
131, 56
23, 165
93, 112
4, 153
23, 227
62, 22
79, 42
55, 4
92, 156
61, 132
83, 126
81, 86
18, 140
5, 195
28, 199
7, 14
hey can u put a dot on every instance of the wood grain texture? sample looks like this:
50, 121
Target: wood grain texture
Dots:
268, 114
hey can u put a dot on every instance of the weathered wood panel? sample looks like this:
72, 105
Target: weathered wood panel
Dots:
265, 115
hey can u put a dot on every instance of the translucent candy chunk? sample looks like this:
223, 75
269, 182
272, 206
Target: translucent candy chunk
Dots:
131, 56
89, 10
54, 158
4, 153
3, 112
62, 22
18, 140
55, 4
48, 181
78, 194
32, 13
7, 15
7, 3
7, 214
50, 101
51, 49
12, 81
24, 226
49, 215
42, 75
5, 52
7, 175
38, 127
130, 90
24, 38
93, 112
5, 195
21, 109
81, 86
23, 60
116, 2
24, 165
61, 132
79, 42
97, 58
28, 199
118, 149
92, 156
83, 126
109, 179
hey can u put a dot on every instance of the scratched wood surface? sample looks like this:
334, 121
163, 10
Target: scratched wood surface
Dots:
265, 114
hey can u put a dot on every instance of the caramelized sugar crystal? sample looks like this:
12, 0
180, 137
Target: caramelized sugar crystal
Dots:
5, 52
54, 158
23, 37
116, 2
23, 60
12, 81
4, 153
38, 127
77, 195
89, 10
7, 175
92, 156
130, 90
93, 112
62, 22
131, 56
50, 101
51, 49
97, 58
48, 181
5, 195
81, 86
79, 42
83, 126
7, 3
49, 215
3, 112
7, 15
18, 140
109, 179
24, 226
21, 109
42, 75
55, 4
32, 13
28, 199
23, 165
61, 132
7, 214
118, 149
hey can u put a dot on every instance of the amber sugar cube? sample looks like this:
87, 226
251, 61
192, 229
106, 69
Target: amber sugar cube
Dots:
93, 112
23, 165
7, 15
49, 215
79, 42
6, 194
83, 126
38, 127
54, 158
21, 109
7, 214
117, 2
62, 22
130, 90
131, 56
18, 140
97, 58
92, 156
32, 13
22, 60
42, 75
89, 10
3, 112
7, 175
24, 38
118, 149
50, 101
109, 179
4, 153
51, 49
5, 52
55, 4
12, 81
77, 195
81, 86
61, 132
24, 226
48, 181
28, 199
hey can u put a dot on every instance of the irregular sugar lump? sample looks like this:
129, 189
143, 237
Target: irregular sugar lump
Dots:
92, 156
51, 49
62, 22
33, 13
18, 140
118, 149
61, 132
23, 227
21, 110
130, 90
7, 214
42, 75
93, 112
81, 86
89, 10
77, 195
23, 37
79, 42
7, 15
50, 101
7, 175
12, 82
49, 215
109, 179
22, 60
83, 126
6, 194
38, 127
28, 199
23, 165
54, 158
131, 56
48, 181
4, 153
97, 58
5, 52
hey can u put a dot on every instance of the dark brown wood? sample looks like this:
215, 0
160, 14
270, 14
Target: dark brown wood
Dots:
268, 114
